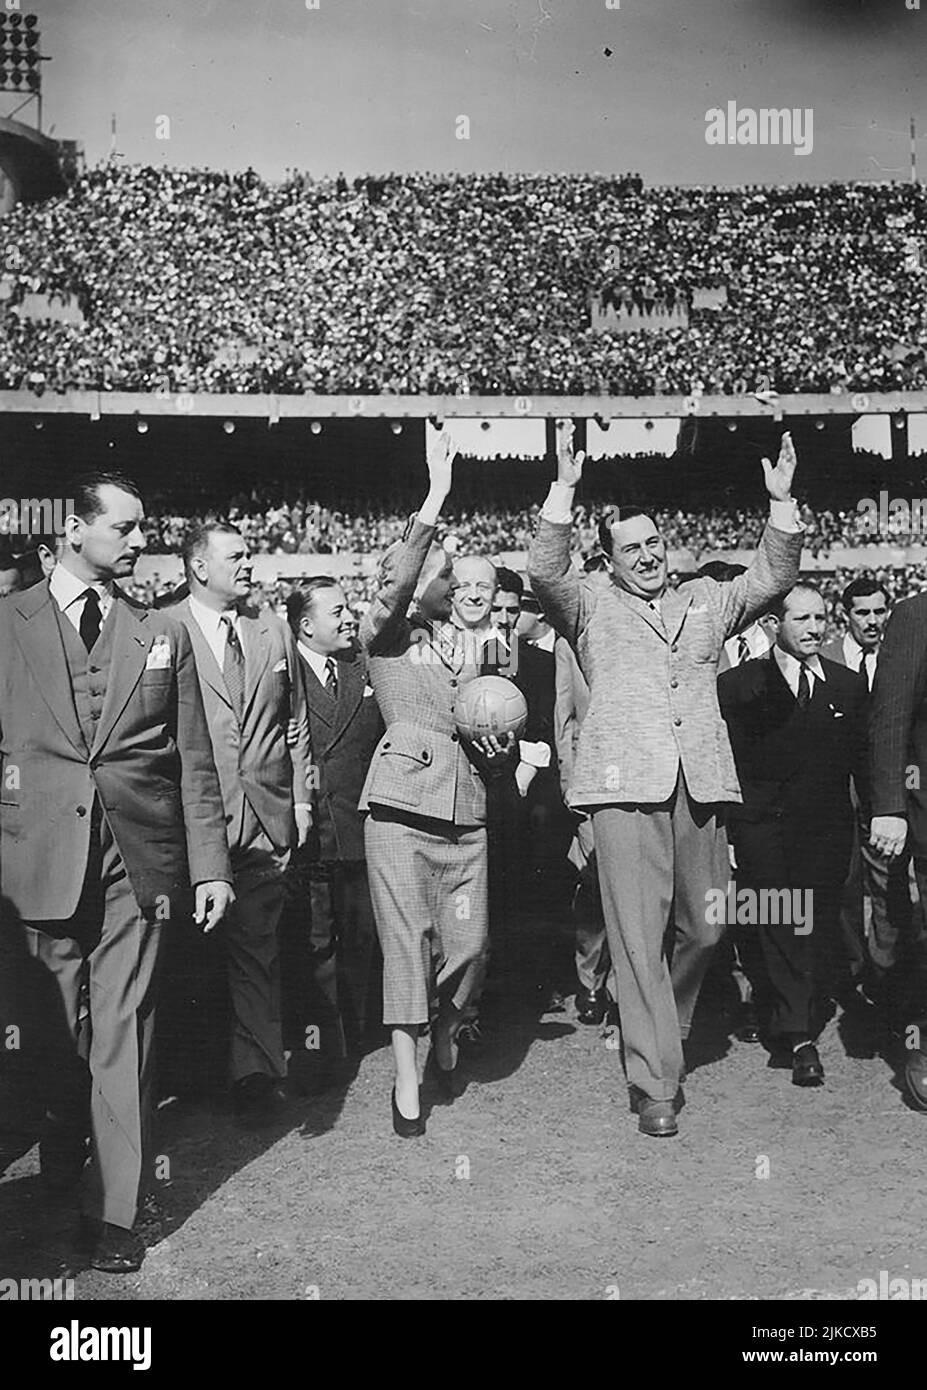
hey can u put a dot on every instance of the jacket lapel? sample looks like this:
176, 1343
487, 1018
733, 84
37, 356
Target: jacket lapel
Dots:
40, 641
351, 682
317, 697
643, 610
206, 664
676, 605
132, 636
256, 644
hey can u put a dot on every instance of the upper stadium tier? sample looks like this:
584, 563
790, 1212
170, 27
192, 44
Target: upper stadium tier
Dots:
148, 280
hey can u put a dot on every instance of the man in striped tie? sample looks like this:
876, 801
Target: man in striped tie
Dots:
252, 688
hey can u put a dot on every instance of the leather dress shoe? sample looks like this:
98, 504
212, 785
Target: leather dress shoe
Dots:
591, 1005
748, 1027
449, 1082
657, 1117
256, 1098
915, 1075
113, 1249
406, 1128
806, 1066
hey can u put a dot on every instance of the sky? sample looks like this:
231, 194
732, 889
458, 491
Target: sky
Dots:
545, 85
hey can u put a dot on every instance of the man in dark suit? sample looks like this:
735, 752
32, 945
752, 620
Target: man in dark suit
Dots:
896, 929
110, 808
797, 724
252, 688
898, 756
344, 729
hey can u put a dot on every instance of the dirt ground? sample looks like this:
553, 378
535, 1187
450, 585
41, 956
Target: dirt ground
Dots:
534, 1184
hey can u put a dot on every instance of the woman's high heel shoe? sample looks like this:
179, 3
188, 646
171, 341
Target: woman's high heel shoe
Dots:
406, 1129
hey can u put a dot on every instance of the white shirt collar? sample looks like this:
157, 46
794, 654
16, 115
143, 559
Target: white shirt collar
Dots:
316, 660
791, 668
758, 643
852, 651
210, 620
65, 588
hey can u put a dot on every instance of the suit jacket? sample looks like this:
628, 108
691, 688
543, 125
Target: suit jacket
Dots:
571, 704
533, 671
833, 651
795, 825
898, 721
150, 764
343, 734
253, 759
420, 765
652, 681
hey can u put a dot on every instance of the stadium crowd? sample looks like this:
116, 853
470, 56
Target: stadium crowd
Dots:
301, 525
193, 280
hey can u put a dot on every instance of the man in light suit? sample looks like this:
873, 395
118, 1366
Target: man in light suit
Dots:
344, 729
252, 687
110, 807
654, 762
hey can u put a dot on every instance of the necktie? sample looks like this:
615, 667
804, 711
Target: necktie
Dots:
743, 650
864, 668
90, 618
233, 665
804, 688
331, 678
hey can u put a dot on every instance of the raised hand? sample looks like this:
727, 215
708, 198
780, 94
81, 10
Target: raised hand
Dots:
779, 479
440, 453
569, 467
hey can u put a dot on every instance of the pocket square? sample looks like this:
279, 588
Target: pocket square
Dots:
837, 713
159, 657
281, 665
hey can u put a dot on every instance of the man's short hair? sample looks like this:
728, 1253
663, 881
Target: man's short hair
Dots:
84, 491
721, 570
300, 600
509, 582
777, 608
862, 588
196, 540
613, 516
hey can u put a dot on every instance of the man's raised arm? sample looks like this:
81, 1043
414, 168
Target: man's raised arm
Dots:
402, 564
775, 567
553, 579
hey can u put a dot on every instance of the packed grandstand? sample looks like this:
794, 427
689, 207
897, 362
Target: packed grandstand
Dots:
481, 283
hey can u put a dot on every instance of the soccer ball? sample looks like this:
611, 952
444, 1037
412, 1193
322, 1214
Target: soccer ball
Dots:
490, 705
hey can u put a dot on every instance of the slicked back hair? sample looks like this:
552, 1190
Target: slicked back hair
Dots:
300, 600
612, 516
862, 588
777, 609
84, 491
509, 582
196, 541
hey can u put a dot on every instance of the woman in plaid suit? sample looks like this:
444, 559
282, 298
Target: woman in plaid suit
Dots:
425, 834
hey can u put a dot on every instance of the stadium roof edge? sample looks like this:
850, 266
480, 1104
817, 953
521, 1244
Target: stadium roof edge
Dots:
274, 408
